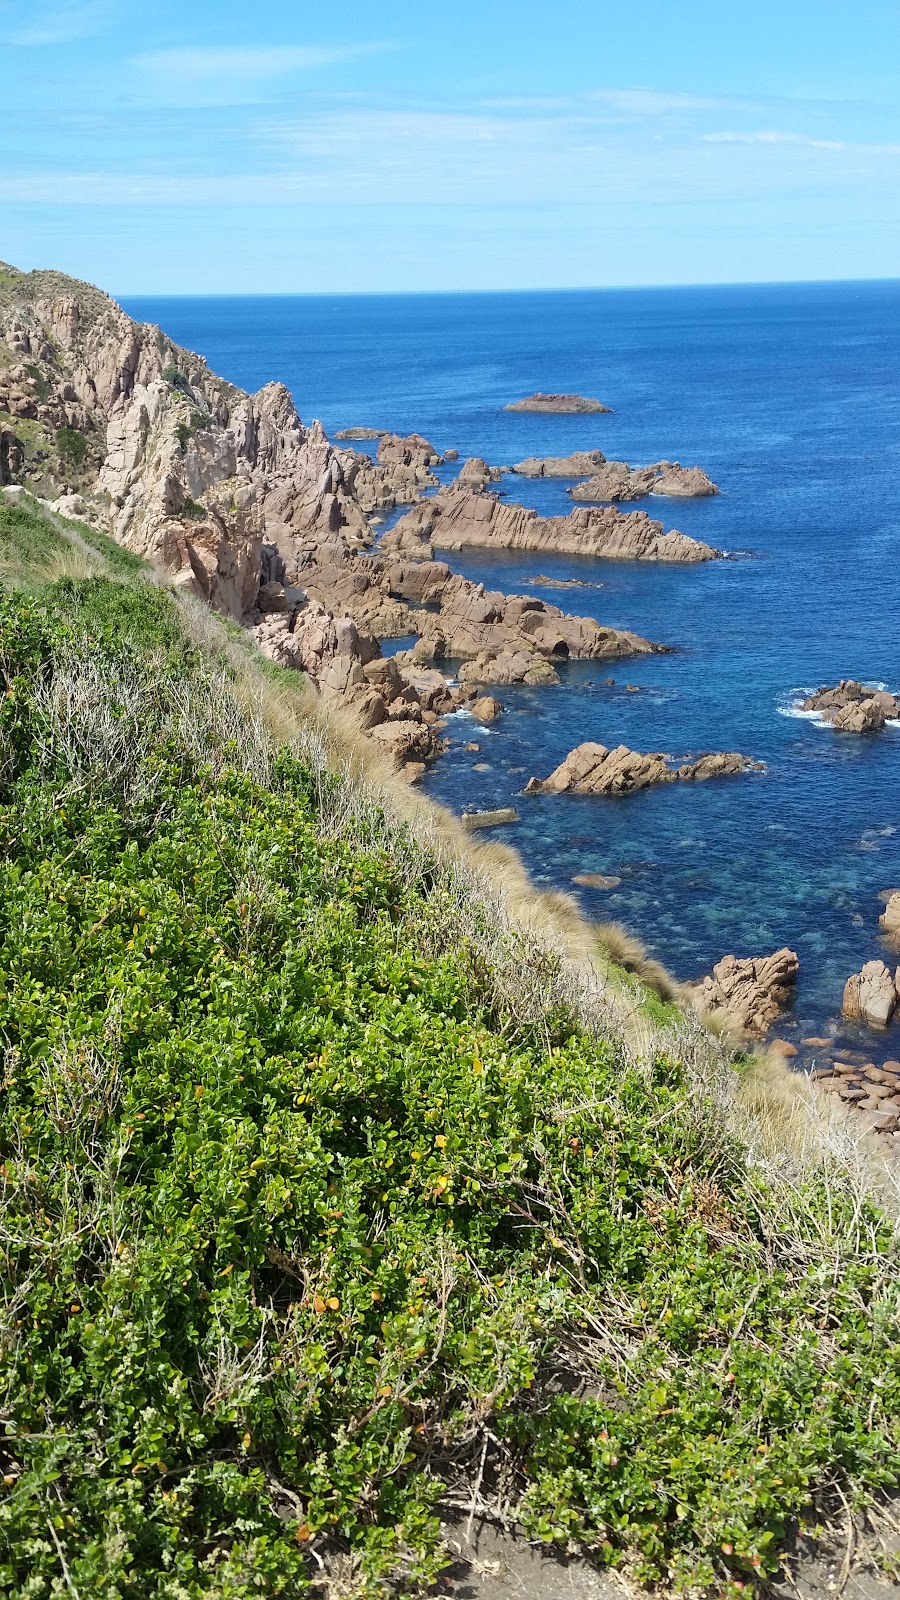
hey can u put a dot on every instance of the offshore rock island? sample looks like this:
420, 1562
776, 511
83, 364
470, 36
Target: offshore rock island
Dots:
563, 404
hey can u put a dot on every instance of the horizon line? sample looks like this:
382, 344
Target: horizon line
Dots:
600, 288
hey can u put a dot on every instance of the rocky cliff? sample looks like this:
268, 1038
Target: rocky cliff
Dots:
112, 423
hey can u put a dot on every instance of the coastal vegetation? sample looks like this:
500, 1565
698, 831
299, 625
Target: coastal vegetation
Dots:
342, 1184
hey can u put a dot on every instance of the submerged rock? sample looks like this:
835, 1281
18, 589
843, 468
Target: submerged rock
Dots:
472, 820
566, 404
751, 991
360, 433
595, 769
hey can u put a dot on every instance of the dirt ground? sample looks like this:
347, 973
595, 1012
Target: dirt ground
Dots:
495, 1564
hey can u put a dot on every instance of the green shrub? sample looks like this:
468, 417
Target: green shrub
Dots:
300, 1222
72, 446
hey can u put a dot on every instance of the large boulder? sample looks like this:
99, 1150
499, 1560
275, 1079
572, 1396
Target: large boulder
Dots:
890, 917
571, 466
593, 769
872, 995
749, 991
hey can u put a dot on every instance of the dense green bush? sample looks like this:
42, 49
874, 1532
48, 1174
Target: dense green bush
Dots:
72, 445
301, 1224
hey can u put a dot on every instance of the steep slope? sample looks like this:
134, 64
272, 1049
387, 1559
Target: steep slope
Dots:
334, 1190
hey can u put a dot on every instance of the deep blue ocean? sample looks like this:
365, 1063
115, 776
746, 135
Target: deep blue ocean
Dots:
789, 396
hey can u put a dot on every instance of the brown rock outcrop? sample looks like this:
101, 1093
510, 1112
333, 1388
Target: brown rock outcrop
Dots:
565, 404
571, 466
478, 624
476, 473
751, 991
852, 708
872, 994
407, 450
456, 520
615, 480
890, 916
594, 769
177, 464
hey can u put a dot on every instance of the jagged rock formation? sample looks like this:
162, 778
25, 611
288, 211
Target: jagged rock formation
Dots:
456, 519
852, 708
890, 916
593, 769
475, 473
750, 991
872, 995
180, 466
259, 514
499, 638
615, 480
571, 466
566, 404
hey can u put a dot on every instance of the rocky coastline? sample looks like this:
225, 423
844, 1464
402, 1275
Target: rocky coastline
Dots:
272, 524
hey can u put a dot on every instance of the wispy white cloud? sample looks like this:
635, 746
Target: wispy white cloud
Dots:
227, 74
62, 23
658, 103
192, 63
804, 141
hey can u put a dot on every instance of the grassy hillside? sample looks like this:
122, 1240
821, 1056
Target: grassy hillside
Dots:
329, 1192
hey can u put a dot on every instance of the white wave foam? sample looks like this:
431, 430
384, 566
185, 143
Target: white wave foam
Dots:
791, 705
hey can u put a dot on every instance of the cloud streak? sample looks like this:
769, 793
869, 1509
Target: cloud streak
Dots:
208, 76
63, 24
765, 136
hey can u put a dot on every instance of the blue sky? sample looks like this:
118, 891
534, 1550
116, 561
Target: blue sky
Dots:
199, 147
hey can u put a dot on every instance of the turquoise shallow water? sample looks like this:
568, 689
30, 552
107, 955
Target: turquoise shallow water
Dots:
789, 397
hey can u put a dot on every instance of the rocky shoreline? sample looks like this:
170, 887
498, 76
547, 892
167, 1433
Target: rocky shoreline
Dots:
272, 525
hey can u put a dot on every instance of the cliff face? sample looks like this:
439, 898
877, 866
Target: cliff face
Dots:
111, 423
177, 464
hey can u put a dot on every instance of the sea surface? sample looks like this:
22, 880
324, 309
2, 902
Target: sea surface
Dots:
789, 396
